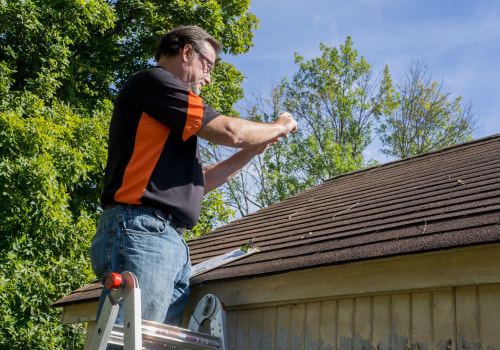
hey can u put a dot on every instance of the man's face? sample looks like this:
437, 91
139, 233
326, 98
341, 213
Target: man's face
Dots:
200, 68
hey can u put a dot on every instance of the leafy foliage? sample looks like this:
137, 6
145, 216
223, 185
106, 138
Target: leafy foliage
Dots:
50, 169
338, 104
422, 118
335, 100
55, 48
61, 64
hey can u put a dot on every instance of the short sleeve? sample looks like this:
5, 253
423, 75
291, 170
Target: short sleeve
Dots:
166, 98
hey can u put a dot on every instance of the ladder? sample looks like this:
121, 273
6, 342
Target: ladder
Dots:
206, 328
136, 334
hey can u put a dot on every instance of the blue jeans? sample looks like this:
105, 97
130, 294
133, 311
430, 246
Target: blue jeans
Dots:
131, 239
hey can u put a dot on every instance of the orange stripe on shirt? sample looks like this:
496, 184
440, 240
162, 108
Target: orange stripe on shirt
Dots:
194, 116
149, 142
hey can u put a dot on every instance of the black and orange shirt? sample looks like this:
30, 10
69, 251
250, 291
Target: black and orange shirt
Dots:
153, 154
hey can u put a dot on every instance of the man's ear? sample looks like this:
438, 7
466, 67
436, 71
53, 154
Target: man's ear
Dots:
187, 51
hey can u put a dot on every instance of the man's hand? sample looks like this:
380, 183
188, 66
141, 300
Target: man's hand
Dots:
217, 174
289, 124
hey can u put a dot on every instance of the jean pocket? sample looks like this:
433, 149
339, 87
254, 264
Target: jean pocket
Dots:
145, 223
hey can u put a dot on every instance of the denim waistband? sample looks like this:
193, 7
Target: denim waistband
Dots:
161, 214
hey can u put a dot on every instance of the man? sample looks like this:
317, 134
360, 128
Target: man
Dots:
154, 180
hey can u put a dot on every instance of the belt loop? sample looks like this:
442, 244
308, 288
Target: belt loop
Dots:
161, 215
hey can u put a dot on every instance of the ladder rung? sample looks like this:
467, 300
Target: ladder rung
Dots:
158, 336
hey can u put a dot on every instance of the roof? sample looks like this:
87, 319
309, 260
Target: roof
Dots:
88, 292
438, 200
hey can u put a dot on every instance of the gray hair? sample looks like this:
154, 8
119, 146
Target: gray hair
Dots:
174, 41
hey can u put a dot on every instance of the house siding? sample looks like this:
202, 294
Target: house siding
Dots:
443, 300
459, 318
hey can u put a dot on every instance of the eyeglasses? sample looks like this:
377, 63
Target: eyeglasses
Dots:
209, 62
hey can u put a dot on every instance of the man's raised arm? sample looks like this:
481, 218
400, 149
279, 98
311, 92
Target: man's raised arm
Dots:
242, 133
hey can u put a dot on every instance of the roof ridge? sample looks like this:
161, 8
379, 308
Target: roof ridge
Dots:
458, 145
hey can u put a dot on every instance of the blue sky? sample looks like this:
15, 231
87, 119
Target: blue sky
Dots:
459, 40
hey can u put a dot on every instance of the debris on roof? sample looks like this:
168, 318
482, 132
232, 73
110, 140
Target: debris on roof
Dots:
438, 200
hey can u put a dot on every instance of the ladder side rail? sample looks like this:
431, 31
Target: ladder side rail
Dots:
218, 326
105, 324
124, 286
132, 321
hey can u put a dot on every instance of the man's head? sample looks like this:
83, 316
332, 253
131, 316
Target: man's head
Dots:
189, 52
172, 43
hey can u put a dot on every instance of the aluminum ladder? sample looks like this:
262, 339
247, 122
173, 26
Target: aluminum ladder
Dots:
206, 328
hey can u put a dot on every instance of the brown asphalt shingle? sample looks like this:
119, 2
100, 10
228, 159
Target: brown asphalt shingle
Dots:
86, 293
438, 200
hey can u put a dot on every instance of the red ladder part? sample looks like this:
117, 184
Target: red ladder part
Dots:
114, 281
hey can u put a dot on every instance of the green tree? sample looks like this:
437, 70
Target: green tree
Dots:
51, 162
59, 49
83, 51
62, 63
335, 99
422, 117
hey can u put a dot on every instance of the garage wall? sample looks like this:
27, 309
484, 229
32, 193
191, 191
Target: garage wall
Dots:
459, 318
446, 300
